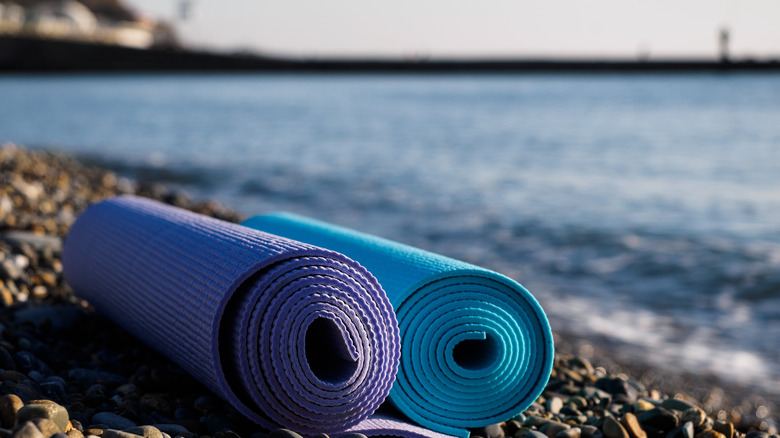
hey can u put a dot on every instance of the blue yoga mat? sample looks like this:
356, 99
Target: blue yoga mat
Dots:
476, 347
290, 334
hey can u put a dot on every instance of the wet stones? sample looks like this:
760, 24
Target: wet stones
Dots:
44, 409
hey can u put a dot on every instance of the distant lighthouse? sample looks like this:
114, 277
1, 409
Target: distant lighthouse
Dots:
723, 40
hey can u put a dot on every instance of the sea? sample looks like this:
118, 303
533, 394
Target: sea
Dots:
642, 210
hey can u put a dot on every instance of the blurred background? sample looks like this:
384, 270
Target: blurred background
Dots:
639, 204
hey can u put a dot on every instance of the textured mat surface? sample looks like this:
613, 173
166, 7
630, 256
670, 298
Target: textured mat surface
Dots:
292, 335
476, 346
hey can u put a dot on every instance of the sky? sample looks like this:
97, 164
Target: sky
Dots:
476, 28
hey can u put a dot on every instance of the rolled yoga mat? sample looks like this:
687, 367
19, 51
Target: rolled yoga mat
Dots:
290, 334
476, 347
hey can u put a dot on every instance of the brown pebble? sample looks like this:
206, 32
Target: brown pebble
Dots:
613, 429
631, 424
574, 432
709, 433
726, 428
96, 432
75, 433
9, 406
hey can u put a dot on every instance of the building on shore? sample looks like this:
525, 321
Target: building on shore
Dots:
95, 21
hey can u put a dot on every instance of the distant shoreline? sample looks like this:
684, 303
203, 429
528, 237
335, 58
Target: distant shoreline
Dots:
37, 55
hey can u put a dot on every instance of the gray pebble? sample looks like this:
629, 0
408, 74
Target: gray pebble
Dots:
50, 411
145, 431
554, 405
113, 433
553, 427
27, 430
674, 404
112, 421
535, 434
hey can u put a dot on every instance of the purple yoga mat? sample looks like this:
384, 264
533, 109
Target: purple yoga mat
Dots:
290, 334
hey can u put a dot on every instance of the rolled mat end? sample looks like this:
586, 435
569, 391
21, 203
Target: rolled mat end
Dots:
291, 334
476, 346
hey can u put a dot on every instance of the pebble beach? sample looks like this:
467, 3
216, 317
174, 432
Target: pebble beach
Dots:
67, 371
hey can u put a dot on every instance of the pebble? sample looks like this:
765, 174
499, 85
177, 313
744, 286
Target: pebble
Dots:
491, 431
554, 405
145, 431
9, 406
46, 426
112, 421
27, 430
613, 429
674, 404
726, 428
695, 415
631, 424
658, 418
709, 434
57, 414
590, 431
574, 432
112, 433
553, 427
350, 435
534, 434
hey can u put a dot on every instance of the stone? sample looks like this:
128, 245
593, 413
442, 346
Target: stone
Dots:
511, 427
46, 426
695, 415
319, 435
643, 405
93, 431
659, 419
726, 428
27, 430
674, 404
554, 405
613, 429
757, 434
171, 429
112, 421
535, 421
283, 433
145, 431
347, 435
553, 427
6, 360
155, 402
9, 406
39, 409
491, 431
631, 424
590, 431
684, 431
709, 433
113, 433
574, 432
535, 434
